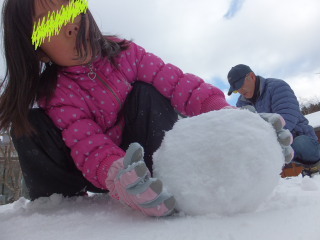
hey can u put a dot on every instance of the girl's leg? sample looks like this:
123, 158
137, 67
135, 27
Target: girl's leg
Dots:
148, 115
46, 163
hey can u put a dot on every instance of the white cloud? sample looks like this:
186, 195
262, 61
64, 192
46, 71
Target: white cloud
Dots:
306, 87
275, 38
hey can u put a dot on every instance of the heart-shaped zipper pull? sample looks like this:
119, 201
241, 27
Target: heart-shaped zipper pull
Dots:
92, 75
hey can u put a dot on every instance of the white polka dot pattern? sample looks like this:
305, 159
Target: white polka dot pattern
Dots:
86, 109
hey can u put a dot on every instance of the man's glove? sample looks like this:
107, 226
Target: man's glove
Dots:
129, 181
284, 135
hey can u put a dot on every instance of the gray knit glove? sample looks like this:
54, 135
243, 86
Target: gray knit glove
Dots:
284, 136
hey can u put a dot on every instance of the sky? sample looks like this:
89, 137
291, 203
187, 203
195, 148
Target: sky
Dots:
276, 38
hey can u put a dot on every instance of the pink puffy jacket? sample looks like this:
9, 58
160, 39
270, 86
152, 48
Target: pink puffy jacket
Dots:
88, 98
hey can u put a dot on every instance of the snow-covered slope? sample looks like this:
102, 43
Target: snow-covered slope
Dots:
292, 212
314, 119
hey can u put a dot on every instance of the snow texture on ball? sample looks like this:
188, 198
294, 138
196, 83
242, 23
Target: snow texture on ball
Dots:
223, 162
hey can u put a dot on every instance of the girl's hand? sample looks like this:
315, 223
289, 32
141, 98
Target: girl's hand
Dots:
130, 182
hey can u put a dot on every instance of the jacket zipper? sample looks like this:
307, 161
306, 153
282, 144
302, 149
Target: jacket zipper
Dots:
92, 75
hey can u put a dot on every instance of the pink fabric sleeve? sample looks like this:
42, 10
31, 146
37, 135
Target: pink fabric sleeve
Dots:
188, 93
104, 167
214, 102
89, 145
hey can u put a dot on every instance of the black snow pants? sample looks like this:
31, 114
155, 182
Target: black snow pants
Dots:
45, 160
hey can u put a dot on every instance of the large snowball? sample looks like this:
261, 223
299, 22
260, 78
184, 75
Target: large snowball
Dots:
222, 162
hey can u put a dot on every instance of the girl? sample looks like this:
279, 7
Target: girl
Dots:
97, 95
102, 93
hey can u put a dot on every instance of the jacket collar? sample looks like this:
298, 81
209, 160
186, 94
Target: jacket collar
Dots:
85, 68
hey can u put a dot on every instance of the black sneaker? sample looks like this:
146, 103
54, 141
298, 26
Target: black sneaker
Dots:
311, 169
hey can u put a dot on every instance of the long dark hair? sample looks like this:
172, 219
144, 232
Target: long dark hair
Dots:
26, 78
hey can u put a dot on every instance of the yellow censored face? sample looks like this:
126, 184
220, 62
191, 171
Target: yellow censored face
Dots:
51, 25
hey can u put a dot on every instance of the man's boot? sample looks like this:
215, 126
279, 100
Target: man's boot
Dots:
310, 169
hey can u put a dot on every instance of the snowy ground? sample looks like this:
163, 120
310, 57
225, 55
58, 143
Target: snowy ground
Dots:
314, 119
292, 213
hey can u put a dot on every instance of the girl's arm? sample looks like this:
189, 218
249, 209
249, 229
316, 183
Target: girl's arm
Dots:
92, 151
188, 93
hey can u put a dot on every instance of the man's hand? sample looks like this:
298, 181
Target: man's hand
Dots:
284, 136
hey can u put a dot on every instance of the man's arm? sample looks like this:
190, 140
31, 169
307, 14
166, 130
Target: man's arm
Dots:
285, 103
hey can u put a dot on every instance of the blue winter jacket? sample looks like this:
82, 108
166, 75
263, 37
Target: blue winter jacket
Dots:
276, 96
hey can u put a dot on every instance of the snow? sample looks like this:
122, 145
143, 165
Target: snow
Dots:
314, 119
290, 212
222, 162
